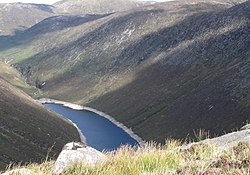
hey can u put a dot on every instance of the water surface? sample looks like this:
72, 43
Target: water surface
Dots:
100, 133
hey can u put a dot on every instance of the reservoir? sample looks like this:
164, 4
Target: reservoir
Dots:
100, 133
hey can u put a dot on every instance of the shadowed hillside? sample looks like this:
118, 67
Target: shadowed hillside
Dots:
27, 130
198, 82
107, 41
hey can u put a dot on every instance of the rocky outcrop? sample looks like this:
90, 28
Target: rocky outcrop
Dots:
77, 153
226, 141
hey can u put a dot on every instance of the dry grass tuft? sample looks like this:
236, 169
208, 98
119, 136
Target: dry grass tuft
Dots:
154, 159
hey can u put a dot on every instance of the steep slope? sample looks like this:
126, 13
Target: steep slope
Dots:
166, 70
14, 77
95, 6
198, 77
49, 33
108, 36
16, 17
27, 130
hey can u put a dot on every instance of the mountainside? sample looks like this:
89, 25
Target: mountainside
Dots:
29, 132
12, 76
165, 70
16, 17
95, 6
197, 77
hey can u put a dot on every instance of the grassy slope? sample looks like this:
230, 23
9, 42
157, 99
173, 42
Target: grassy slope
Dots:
169, 159
27, 130
12, 76
199, 80
101, 36
175, 67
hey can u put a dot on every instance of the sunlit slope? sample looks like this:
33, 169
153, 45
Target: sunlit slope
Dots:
14, 77
16, 17
95, 6
102, 48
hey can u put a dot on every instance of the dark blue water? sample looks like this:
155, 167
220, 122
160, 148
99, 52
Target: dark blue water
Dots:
100, 133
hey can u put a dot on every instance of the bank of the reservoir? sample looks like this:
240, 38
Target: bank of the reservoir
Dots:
102, 114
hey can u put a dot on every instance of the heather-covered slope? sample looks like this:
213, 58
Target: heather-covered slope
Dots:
103, 46
197, 77
29, 132
166, 70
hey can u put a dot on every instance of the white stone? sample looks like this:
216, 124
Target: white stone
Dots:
77, 153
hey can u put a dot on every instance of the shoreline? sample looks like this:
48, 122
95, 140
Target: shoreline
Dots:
140, 141
81, 135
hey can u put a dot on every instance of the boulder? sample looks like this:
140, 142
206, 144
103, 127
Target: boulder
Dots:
245, 127
77, 153
226, 141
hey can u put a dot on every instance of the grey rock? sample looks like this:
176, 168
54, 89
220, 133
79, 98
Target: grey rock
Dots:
226, 141
77, 153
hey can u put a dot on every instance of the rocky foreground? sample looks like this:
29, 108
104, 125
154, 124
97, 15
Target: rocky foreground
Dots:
228, 154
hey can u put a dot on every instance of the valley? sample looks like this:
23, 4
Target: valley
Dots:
165, 70
176, 61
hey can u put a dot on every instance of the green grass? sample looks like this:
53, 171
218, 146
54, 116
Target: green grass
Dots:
169, 159
12, 76
16, 54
